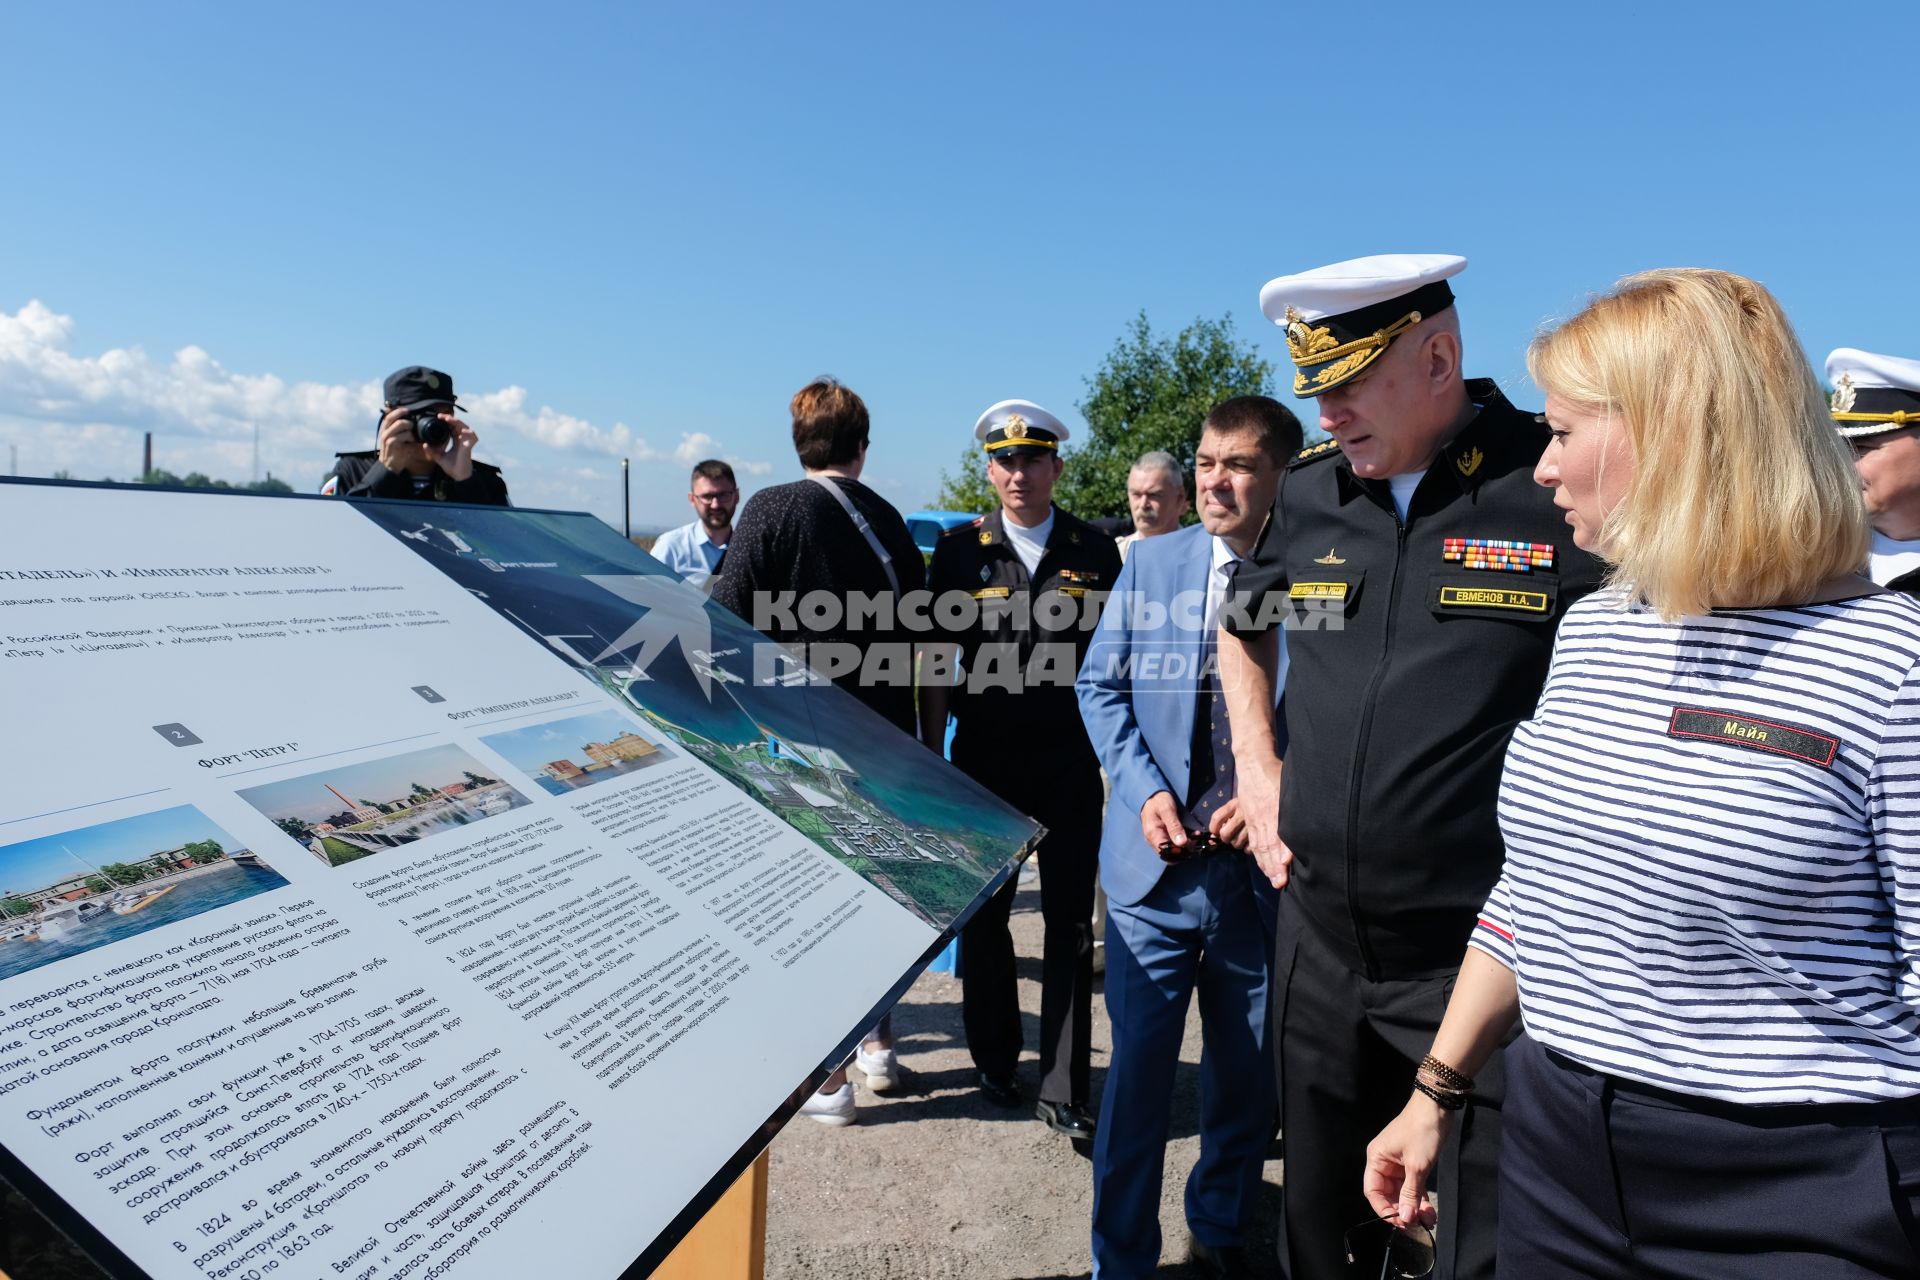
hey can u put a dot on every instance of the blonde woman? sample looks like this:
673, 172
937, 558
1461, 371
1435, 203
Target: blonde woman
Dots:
1709, 920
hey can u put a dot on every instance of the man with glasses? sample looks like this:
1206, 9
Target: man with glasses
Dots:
1187, 909
693, 550
1016, 595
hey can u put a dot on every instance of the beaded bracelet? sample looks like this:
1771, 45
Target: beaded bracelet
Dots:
1445, 1099
1445, 1074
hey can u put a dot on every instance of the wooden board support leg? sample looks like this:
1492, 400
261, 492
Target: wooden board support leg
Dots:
730, 1243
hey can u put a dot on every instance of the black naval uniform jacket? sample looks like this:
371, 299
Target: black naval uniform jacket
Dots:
1398, 720
1039, 725
361, 475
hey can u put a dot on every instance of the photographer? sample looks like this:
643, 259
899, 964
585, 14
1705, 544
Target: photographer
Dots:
424, 450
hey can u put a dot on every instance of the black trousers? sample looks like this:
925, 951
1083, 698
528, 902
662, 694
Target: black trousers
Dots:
1346, 1049
1069, 807
1606, 1179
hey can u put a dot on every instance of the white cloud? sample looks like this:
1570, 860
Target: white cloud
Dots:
693, 447
84, 413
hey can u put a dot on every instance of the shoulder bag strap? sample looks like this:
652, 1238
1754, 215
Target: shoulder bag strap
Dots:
860, 523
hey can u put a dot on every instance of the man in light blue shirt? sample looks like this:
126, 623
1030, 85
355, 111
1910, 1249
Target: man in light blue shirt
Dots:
693, 550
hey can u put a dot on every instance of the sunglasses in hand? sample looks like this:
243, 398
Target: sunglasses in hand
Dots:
1199, 844
1406, 1252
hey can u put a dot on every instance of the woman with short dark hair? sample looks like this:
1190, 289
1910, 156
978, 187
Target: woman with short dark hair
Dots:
829, 535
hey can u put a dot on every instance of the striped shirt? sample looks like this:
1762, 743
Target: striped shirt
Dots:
1712, 882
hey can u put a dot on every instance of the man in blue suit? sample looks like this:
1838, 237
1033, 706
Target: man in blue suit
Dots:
1188, 909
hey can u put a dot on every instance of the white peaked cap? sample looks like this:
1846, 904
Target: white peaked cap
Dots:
1865, 369
1027, 411
1359, 282
1873, 394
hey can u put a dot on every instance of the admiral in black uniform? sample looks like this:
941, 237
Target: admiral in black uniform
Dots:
1430, 573
1037, 577
1876, 406
424, 450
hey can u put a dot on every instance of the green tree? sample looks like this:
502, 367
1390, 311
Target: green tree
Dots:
1151, 392
15, 907
97, 884
297, 828
477, 780
204, 851
200, 480
123, 873
966, 488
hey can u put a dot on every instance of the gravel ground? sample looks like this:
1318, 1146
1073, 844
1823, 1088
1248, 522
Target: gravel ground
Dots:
934, 1184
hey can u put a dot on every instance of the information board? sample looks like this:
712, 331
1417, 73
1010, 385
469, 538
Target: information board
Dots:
401, 889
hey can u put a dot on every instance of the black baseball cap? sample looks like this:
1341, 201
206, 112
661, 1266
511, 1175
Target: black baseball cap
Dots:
418, 385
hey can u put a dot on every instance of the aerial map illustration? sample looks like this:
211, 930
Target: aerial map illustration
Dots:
895, 813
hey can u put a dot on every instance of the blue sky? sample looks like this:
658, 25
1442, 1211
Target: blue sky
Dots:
538, 745
35, 864
636, 230
381, 781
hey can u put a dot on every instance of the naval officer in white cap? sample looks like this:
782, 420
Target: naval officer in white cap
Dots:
1876, 406
1434, 571
1036, 577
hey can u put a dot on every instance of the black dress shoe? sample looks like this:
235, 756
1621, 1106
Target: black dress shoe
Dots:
1220, 1262
1001, 1091
1068, 1118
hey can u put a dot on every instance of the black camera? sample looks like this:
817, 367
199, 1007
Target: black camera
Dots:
430, 429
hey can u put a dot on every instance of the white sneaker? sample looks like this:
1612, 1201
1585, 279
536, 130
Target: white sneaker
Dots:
881, 1067
834, 1108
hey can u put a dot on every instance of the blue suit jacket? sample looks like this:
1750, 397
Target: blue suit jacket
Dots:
1138, 689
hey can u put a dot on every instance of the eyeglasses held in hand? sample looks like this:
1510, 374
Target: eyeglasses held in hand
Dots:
1408, 1251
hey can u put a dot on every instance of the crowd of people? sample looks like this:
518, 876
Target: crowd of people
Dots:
1532, 800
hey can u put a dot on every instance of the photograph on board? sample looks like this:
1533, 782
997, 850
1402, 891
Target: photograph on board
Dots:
579, 751
76, 890
349, 811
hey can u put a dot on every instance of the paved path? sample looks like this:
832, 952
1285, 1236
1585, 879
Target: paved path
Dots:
934, 1184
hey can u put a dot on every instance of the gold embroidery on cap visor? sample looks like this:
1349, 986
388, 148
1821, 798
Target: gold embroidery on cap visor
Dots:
1331, 361
1014, 431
